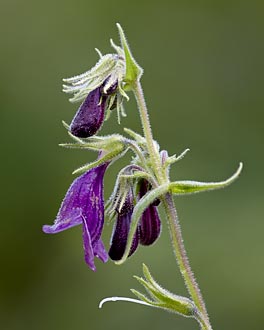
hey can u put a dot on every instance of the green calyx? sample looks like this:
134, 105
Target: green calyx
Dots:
133, 70
111, 146
97, 143
161, 298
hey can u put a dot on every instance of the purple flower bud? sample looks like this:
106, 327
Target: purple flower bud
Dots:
150, 224
90, 116
121, 230
84, 204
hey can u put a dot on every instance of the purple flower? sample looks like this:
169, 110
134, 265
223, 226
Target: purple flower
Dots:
121, 230
90, 116
150, 224
84, 204
148, 229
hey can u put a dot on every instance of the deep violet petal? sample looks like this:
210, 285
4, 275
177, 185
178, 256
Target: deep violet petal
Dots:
90, 115
84, 203
73, 219
100, 251
92, 202
83, 198
149, 226
120, 235
121, 230
87, 246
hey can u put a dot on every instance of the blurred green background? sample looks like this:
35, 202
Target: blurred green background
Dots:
203, 83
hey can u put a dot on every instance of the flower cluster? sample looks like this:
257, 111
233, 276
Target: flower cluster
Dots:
148, 229
140, 186
102, 89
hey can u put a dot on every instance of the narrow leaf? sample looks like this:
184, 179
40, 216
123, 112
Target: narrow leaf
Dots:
191, 187
133, 71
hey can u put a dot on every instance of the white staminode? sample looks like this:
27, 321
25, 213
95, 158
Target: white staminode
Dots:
136, 301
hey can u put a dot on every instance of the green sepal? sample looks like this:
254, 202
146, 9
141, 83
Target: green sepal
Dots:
162, 298
137, 137
191, 187
133, 70
75, 138
149, 288
107, 157
137, 175
142, 297
105, 143
86, 82
67, 126
174, 158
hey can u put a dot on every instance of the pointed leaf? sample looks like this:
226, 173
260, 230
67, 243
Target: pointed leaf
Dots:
133, 70
191, 187
106, 158
142, 297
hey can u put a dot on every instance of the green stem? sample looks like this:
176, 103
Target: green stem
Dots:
175, 229
143, 111
182, 259
203, 321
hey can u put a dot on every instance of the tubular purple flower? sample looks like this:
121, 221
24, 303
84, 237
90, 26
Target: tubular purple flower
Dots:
90, 116
84, 204
150, 224
121, 230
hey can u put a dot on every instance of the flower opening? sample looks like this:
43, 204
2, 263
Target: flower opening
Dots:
84, 204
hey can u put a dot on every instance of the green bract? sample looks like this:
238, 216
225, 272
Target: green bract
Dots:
191, 187
133, 70
159, 297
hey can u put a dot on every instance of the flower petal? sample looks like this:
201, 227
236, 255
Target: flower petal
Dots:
149, 226
90, 115
120, 235
99, 251
73, 219
87, 246
84, 204
83, 198
122, 228
92, 202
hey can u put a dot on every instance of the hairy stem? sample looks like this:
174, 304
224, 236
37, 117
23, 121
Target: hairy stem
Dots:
175, 230
182, 259
202, 320
143, 111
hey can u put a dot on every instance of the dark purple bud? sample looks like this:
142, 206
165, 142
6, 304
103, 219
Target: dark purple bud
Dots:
84, 204
121, 230
150, 224
90, 116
